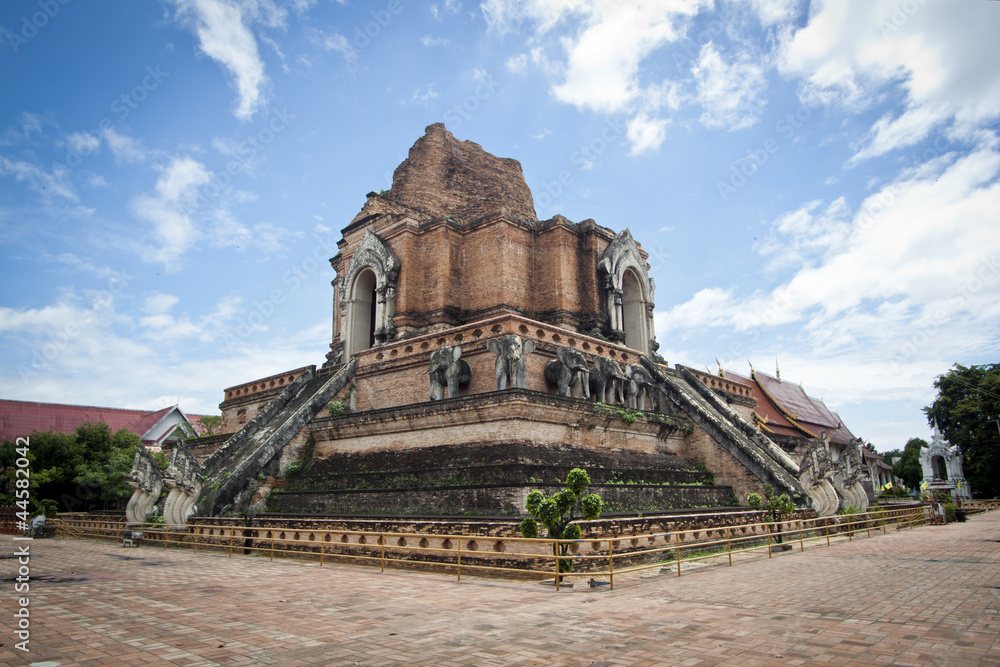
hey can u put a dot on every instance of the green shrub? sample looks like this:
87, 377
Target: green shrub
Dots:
949, 512
558, 511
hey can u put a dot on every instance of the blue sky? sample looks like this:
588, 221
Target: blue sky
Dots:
816, 183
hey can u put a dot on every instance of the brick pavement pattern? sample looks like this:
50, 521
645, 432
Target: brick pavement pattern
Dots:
925, 596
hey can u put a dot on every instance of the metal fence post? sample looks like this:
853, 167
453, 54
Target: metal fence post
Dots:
677, 551
611, 563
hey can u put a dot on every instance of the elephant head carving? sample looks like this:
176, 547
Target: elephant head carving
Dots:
569, 371
448, 369
607, 381
638, 387
511, 367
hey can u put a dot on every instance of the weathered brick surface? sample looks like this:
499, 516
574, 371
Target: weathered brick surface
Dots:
463, 227
702, 447
394, 375
510, 416
488, 500
443, 176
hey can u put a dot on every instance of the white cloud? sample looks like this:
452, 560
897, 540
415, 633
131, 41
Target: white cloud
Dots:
602, 64
224, 37
422, 97
910, 277
124, 148
438, 11
72, 352
939, 55
158, 304
771, 12
610, 56
517, 63
48, 183
431, 42
645, 133
83, 143
167, 211
731, 92
339, 44
182, 210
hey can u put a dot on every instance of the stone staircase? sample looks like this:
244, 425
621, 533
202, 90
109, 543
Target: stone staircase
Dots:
760, 456
228, 471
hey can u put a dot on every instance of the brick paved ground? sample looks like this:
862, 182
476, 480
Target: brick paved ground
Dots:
919, 597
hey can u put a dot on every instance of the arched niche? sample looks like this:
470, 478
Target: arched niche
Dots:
628, 292
634, 311
940, 467
362, 313
368, 297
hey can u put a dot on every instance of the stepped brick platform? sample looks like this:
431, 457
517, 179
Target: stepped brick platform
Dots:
491, 480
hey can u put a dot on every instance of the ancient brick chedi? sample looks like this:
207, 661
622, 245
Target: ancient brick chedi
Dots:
456, 240
476, 353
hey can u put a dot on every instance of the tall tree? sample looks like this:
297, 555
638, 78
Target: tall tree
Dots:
966, 410
907, 467
80, 471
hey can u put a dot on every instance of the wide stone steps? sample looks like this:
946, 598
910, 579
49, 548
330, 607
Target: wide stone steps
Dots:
730, 436
241, 459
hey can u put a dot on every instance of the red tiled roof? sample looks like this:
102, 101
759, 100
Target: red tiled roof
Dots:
784, 408
794, 400
148, 421
768, 417
20, 418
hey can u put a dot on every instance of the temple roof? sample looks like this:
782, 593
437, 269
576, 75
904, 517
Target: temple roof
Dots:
784, 408
445, 177
19, 418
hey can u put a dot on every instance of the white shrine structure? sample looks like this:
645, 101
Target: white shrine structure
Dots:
942, 466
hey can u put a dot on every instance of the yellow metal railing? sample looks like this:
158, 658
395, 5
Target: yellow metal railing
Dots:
977, 506
598, 556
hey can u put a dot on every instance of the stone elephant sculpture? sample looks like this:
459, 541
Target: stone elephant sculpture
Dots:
570, 372
512, 367
448, 369
638, 387
607, 381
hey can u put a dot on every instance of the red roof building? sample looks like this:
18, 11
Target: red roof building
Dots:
19, 418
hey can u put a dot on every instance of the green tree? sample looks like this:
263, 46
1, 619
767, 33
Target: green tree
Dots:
211, 425
109, 460
776, 507
82, 470
907, 468
966, 410
558, 511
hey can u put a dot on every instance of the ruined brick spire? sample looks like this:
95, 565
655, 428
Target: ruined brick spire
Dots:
443, 176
